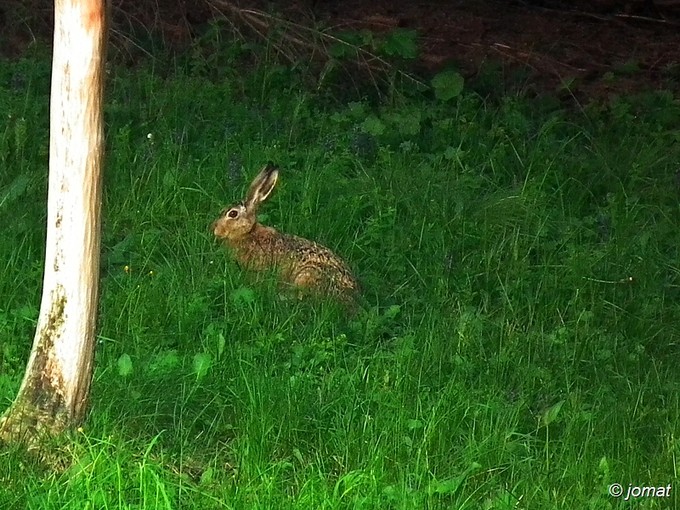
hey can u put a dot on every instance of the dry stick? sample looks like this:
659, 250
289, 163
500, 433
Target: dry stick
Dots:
663, 21
601, 17
499, 47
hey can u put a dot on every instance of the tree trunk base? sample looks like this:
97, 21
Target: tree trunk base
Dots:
38, 432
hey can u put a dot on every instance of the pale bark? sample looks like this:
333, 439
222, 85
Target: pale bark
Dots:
53, 394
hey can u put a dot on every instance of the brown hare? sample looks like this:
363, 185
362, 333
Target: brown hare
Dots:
302, 263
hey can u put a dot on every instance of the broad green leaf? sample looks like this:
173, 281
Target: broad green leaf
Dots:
551, 414
124, 365
402, 42
202, 364
447, 85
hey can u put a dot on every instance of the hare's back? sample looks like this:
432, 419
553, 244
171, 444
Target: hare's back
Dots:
315, 265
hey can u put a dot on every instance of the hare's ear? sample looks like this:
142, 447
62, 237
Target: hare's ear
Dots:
262, 186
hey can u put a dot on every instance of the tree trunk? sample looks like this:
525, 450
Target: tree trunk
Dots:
54, 392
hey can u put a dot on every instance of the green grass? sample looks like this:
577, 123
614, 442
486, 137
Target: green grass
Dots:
519, 347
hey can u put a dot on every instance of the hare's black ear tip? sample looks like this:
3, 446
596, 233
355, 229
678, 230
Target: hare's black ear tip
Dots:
271, 166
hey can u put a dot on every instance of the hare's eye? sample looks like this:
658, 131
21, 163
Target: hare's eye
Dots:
232, 214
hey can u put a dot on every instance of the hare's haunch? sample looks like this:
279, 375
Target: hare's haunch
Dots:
299, 262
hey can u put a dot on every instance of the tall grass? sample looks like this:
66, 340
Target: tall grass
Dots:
519, 343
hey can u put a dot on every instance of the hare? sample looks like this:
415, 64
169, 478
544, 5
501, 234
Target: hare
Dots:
302, 263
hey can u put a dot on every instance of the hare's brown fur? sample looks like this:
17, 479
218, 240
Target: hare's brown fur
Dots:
300, 262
